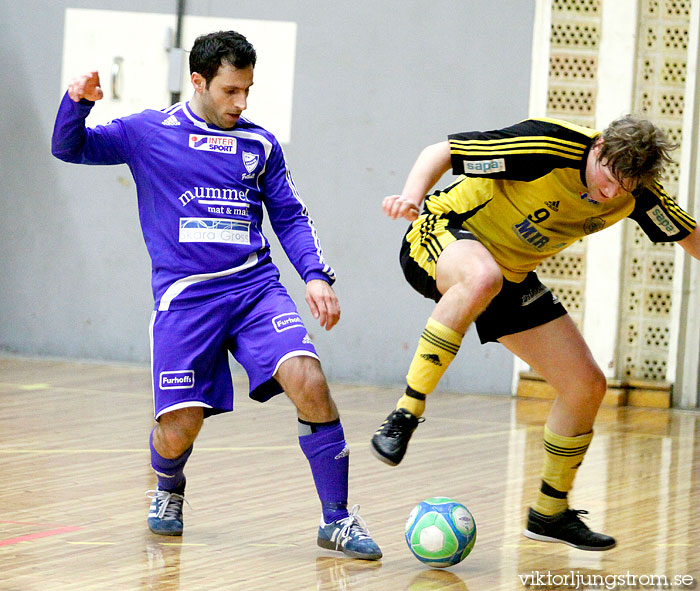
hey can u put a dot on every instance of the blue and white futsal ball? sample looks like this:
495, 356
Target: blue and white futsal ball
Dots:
440, 532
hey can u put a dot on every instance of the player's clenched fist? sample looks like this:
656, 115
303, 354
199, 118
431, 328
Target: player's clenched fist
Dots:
86, 86
397, 206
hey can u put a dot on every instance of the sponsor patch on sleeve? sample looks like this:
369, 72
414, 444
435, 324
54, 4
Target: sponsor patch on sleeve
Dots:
484, 166
663, 223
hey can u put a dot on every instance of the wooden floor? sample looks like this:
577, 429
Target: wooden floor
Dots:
74, 467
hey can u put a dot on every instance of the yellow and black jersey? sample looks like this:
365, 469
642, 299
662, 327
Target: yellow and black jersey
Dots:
522, 193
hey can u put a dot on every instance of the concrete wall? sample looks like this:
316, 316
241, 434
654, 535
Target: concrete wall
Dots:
375, 81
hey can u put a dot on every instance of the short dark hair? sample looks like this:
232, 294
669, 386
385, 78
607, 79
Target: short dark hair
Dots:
635, 149
216, 49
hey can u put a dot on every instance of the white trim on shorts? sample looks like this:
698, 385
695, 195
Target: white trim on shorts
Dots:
299, 353
181, 284
153, 381
179, 405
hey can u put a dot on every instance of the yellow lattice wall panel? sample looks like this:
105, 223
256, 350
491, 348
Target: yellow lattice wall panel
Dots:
573, 69
648, 268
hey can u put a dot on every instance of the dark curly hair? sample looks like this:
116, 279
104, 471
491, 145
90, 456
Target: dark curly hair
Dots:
215, 49
635, 149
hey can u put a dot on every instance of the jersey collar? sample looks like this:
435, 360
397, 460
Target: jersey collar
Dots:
199, 122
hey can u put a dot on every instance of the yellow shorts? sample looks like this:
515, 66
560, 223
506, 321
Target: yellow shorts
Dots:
425, 240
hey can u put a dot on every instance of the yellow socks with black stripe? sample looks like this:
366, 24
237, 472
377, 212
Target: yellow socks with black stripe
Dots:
437, 347
413, 402
563, 456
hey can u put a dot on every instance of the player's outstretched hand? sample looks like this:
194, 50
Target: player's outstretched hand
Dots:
397, 206
86, 86
323, 303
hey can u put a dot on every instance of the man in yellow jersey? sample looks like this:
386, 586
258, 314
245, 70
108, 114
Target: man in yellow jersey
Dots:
524, 193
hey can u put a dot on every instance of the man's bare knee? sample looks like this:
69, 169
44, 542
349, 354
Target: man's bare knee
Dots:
596, 384
305, 384
177, 430
301, 373
484, 284
467, 268
313, 381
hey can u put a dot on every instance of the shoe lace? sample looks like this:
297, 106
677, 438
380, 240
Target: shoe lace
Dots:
576, 515
169, 504
353, 526
395, 427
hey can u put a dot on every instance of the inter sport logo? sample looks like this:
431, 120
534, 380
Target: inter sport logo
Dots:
213, 143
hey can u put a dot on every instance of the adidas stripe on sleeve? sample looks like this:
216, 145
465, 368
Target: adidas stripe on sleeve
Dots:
661, 218
522, 152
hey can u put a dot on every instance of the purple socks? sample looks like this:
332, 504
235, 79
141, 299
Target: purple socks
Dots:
169, 472
324, 446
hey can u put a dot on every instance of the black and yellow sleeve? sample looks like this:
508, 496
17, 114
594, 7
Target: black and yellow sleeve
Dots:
661, 218
522, 152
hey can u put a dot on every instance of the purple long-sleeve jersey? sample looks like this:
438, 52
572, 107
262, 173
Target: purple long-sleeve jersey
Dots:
201, 192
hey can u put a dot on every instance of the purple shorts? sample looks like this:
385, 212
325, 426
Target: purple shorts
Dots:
189, 348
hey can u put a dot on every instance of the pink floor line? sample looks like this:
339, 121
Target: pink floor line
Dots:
41, 534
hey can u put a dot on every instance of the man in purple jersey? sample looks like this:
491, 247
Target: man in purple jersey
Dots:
203, 174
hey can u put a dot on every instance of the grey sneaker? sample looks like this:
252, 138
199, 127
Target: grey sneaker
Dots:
350, 536
165, 513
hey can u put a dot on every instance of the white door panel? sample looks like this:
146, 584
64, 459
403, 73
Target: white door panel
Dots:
94, 39
270, 101
129, 50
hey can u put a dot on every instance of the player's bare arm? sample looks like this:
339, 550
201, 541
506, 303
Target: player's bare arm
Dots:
86, 86
691, 243
432, 163
323, 303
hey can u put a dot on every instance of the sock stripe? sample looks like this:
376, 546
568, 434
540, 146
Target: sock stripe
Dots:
564, 451
563, 456
314, 427
550, 491
328, 424
439, 342
410, 392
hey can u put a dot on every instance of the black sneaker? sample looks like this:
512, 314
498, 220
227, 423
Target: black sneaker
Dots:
390, 441
567, 528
